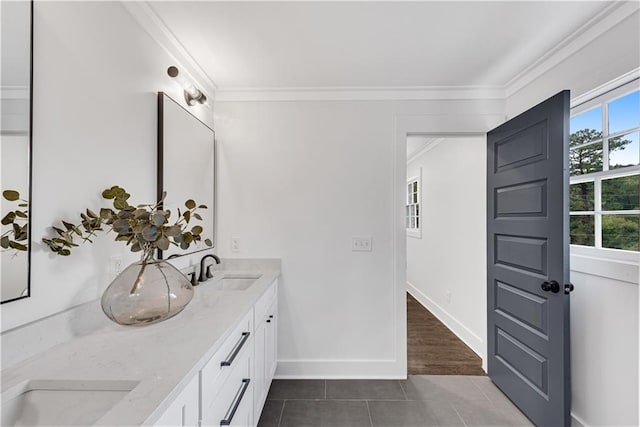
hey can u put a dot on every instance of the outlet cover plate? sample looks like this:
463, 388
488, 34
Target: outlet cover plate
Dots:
361, 244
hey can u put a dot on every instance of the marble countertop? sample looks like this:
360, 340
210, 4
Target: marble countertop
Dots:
162, 357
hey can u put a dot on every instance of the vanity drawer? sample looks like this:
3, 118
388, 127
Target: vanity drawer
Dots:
237, 345
265, 302
233, 401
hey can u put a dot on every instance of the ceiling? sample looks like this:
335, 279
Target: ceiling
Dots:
276, 45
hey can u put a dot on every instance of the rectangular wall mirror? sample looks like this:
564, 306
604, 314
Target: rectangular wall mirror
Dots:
16, 35
186, 167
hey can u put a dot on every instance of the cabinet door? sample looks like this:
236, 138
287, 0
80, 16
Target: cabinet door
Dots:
271, 345
184, 411
260, 367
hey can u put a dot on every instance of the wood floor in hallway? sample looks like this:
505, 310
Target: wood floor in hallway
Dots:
432, 349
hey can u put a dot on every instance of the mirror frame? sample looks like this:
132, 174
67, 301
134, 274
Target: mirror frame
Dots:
30, 171
160, 168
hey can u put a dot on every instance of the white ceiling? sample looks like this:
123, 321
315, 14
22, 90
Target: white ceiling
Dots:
262, 45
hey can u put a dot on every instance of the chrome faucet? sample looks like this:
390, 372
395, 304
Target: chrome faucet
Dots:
204, 276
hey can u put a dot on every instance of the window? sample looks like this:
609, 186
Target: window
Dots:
413, 214
604, 155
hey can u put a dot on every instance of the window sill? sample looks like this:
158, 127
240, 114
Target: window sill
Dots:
416, 234
612, 264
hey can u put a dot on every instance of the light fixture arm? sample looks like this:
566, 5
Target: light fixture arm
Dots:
192, 95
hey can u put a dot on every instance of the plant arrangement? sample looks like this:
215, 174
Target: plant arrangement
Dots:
18, 221
144, 228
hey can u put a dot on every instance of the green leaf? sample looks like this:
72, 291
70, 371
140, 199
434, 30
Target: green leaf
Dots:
17, 246
187, 237
197, 216
173, 231
150, 233
20, 214
4, 242
208, 242
187, 216
203, 207
119, 204
8, 218
67, 225
108, 194
64, 252
11, 195
184, 245
121, 226
158, 218
197, 229
106, 213
163, 243
190, 204
91, 213
136, 247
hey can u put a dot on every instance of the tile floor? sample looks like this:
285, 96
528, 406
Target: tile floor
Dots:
420, 401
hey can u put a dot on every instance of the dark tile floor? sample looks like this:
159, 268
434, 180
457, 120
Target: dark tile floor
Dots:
420, 401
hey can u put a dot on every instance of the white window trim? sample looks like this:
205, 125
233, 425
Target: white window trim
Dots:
615, 264
416, 233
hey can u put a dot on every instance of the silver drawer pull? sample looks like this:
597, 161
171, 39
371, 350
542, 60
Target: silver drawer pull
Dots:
236, 349
236, 402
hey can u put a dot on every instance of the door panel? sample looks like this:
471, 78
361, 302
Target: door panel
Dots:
527, 245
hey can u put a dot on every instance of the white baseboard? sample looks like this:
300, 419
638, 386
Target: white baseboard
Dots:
472, 340
339, 369
577, 422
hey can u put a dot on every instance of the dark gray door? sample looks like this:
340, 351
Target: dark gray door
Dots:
528, 260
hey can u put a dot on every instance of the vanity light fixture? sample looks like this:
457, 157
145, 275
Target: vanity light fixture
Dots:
192, 95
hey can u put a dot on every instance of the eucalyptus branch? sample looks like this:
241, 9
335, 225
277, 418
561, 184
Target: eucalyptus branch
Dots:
16, 236
144, 228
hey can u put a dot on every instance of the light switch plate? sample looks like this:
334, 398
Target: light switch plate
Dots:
235, 244
361, 244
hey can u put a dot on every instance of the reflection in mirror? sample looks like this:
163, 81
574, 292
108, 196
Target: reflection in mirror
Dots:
16, 35
186, 166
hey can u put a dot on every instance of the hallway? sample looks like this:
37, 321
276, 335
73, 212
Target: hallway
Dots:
432, 349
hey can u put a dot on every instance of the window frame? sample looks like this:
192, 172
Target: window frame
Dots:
415, 232
602, 100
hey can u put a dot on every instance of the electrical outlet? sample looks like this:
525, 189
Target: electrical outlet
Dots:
448, 296
235, 244
361, 244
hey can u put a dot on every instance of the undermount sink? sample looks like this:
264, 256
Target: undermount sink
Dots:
61, 402
236, 282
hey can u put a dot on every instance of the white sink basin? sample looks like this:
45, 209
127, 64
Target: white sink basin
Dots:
61, 403
235, 282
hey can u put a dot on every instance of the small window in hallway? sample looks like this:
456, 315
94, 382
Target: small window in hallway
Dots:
413, 207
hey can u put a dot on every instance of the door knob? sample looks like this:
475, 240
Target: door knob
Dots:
552, 286
568, 288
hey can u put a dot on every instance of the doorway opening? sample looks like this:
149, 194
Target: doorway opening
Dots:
446, 254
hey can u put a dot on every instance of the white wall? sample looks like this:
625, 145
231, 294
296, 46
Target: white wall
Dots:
451, 254
604, 311
96, 75
299, 179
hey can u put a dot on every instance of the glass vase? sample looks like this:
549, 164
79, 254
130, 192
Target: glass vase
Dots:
146, 292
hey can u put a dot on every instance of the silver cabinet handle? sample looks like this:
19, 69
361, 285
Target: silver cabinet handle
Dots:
237, 348
236, 402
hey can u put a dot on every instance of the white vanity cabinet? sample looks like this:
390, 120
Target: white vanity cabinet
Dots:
184, 410
265, 341
231, 388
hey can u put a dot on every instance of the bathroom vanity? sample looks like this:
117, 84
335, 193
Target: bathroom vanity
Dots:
211, 365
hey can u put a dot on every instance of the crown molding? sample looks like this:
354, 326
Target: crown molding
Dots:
602, 22
607, 87
418, 93
148, 19
428, 147
599, 24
